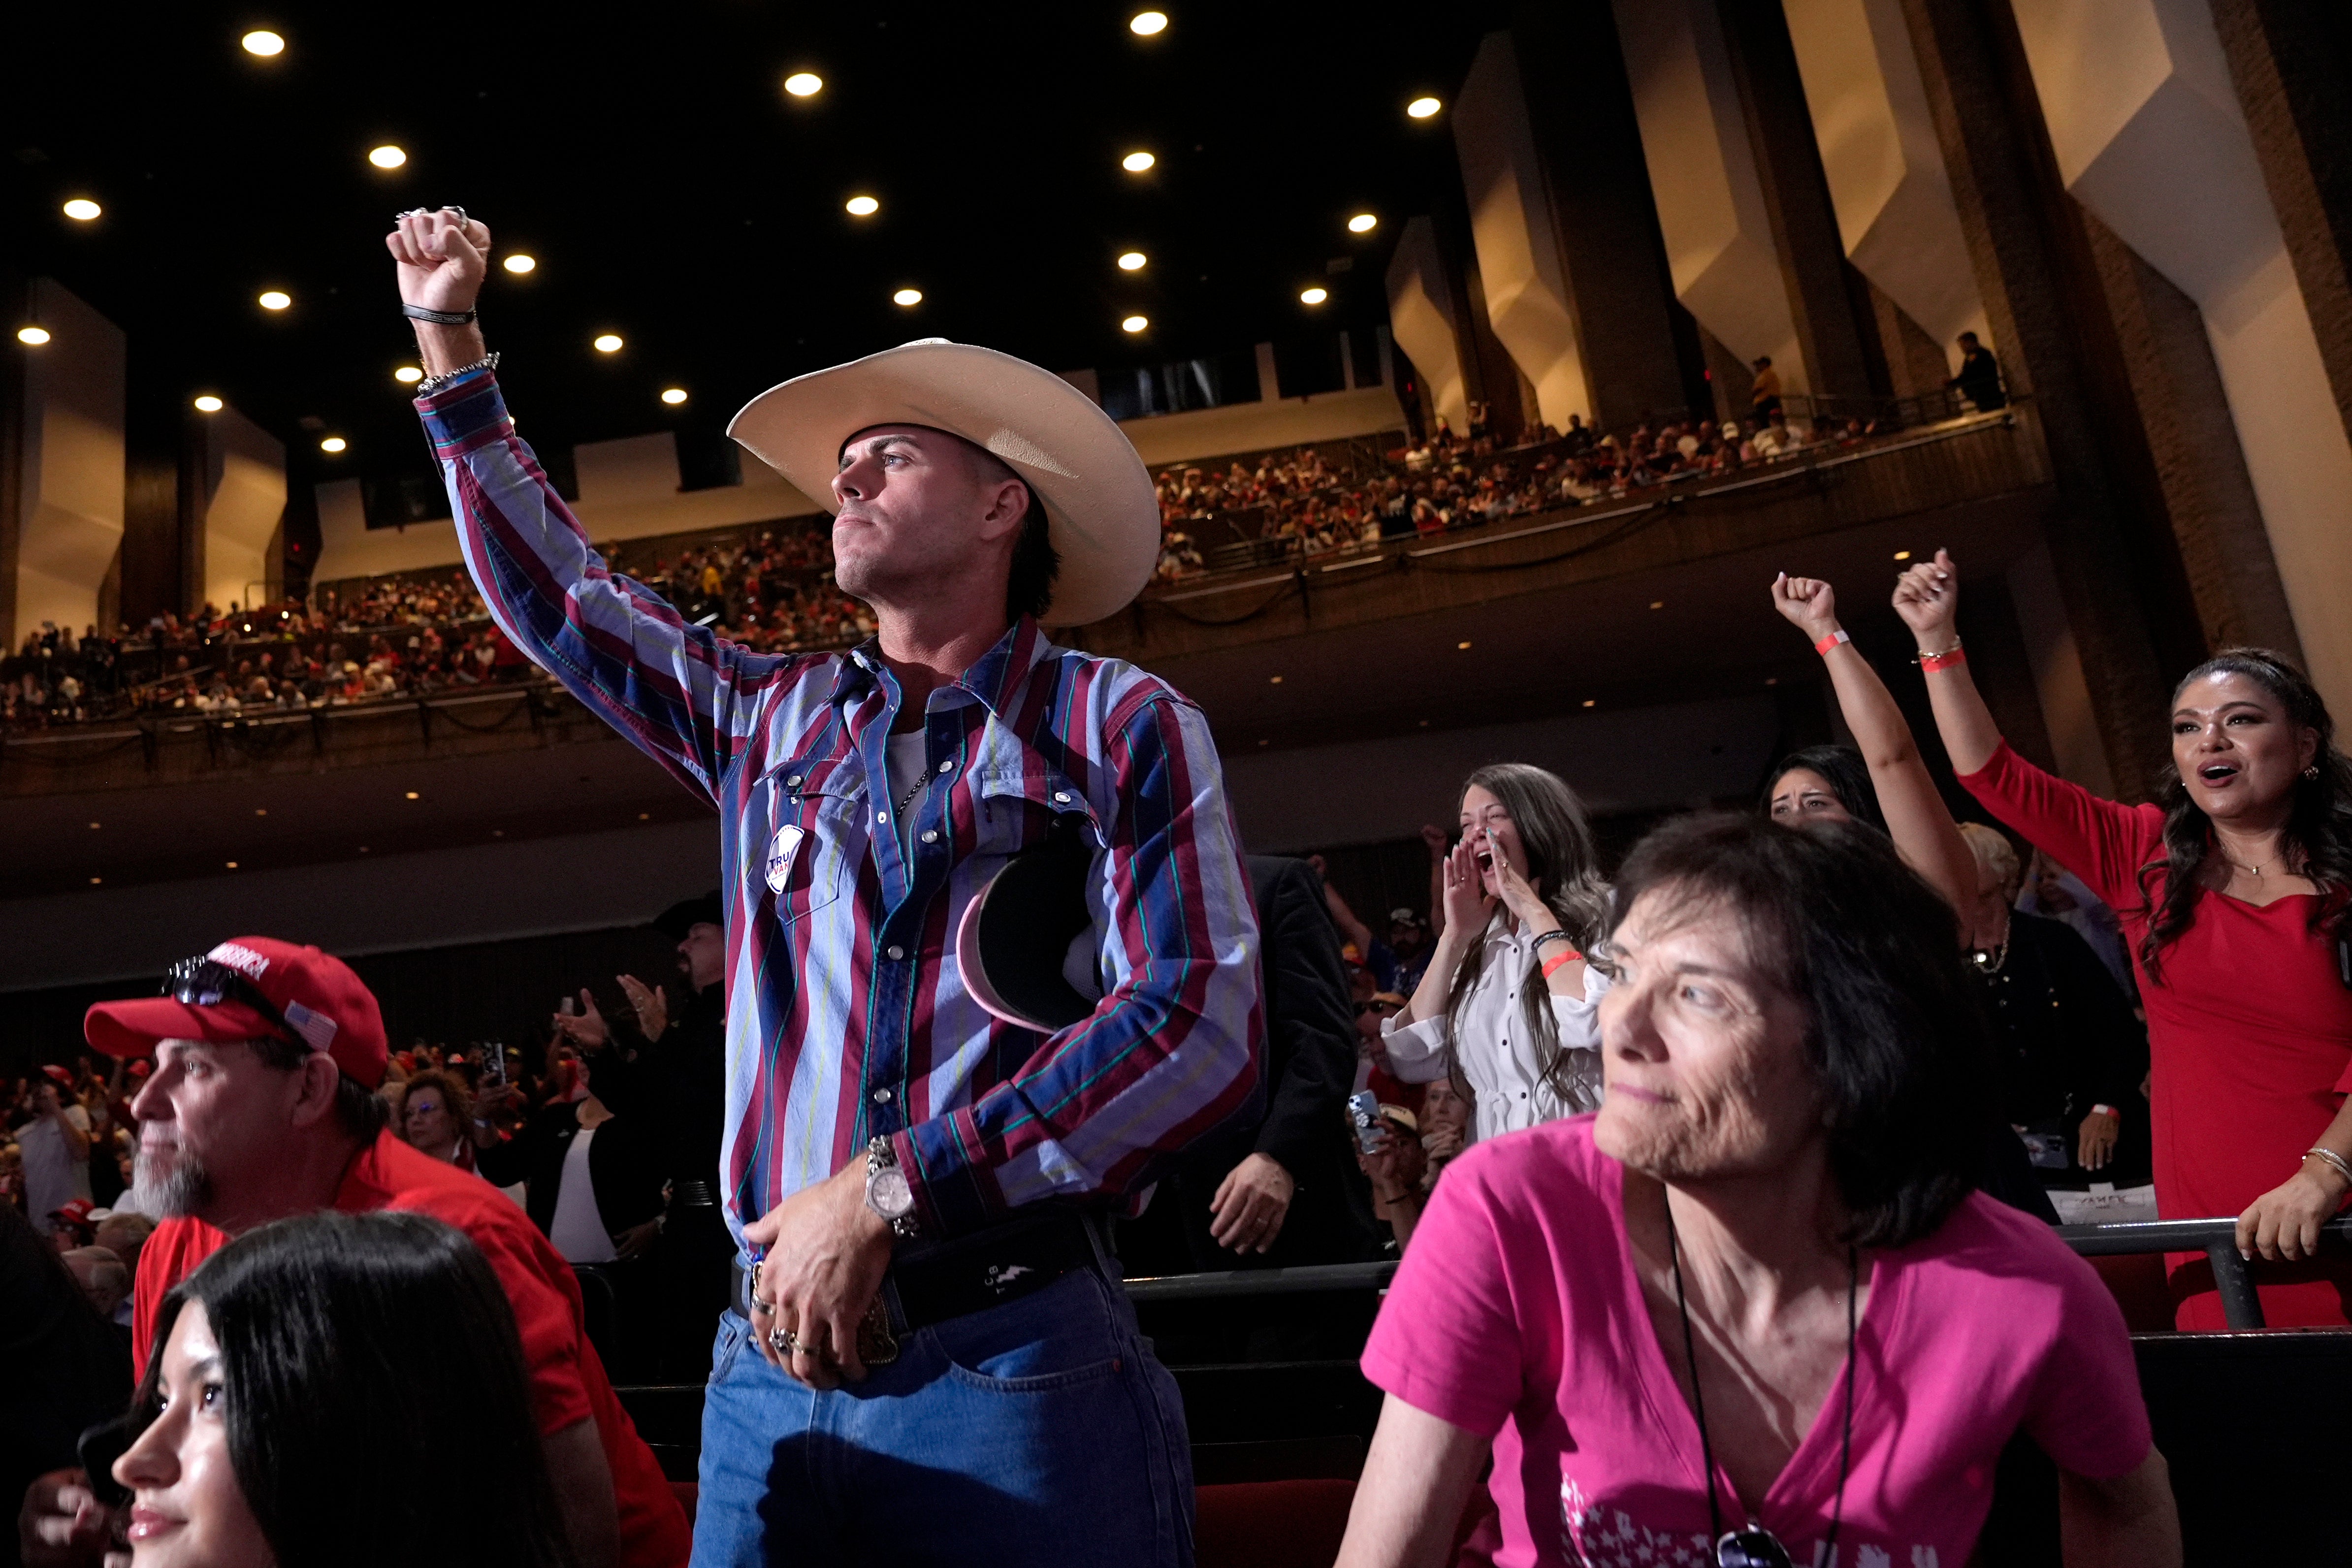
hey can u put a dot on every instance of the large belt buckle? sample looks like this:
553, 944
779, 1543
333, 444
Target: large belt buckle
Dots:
876, 1345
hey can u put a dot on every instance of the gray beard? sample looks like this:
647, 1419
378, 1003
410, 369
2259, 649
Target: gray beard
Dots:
168, 1196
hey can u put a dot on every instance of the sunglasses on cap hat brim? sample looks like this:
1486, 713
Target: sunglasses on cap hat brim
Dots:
203, 1000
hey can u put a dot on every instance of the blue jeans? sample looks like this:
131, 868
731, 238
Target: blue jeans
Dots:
1040, 1432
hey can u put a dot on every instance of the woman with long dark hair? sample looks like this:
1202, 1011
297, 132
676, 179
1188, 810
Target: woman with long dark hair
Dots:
289, 1371
1507, 1005
2232, 888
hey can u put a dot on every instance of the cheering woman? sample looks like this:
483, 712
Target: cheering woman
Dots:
2232, 891
1507, 1005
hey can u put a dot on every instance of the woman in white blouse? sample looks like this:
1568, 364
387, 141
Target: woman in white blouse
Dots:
1508, 1007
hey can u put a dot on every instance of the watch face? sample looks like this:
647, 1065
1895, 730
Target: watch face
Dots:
887, 1192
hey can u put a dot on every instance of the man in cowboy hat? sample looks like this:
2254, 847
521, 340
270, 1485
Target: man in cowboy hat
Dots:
931, 1359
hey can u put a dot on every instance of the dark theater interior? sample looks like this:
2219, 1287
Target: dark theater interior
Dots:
1540, 782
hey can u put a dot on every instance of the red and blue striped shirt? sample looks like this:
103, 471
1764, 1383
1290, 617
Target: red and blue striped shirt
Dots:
847, 1016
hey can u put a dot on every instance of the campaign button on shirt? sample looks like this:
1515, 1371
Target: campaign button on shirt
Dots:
781, 851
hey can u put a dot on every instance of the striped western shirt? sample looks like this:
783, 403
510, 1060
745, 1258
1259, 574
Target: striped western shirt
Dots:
846, 1017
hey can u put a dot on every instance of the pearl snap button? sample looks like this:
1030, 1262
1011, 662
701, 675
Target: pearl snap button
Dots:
1061, 797
930, 835
895, 953
881, 1096
881, 816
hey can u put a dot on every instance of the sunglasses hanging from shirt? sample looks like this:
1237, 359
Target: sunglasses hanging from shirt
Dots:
1756, 1547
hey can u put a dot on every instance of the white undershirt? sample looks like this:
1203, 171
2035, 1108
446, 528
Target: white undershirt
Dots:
578, 1229
909, 756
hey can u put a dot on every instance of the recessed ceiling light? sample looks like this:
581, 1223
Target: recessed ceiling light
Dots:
1589, 702
1136, 162
261, 810
81, 209
409, 375
1657, 604
363, 849
1463, 647
412, 794
1132, 261
207, 403
33, 335
232, 865
861, 206
1772, 680
673, 396
1363, 224
93, 882
1144, 24
273, 300
1313, 296
644, 816
1134, 324
261, 41
804, 84
520, 263
607, 343
333, 444
1422, 107
1275, 680
908, 296
93, 824
1903, 555
387, 156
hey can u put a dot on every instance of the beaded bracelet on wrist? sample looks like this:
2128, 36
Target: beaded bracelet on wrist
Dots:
428, 388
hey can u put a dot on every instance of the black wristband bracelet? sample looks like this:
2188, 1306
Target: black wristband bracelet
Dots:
439, 318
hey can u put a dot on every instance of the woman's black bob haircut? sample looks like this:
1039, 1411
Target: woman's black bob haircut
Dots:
351, 1341
1897, 1044
1843, 769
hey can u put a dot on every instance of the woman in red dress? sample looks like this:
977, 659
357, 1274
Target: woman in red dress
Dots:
2233, 891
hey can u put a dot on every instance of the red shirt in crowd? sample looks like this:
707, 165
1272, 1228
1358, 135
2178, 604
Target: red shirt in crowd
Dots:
567, 1380
2249, 1031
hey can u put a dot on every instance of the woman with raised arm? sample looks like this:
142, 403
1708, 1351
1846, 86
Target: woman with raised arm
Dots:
1822, 783
1506, 1006
2232, 888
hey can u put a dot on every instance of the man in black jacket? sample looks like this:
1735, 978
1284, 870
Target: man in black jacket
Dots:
671, 1074
1284, 1191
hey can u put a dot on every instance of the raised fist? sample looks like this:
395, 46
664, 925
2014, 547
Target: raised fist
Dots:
441, 257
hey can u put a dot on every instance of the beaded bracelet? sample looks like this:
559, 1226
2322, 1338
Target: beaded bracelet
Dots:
1955, 654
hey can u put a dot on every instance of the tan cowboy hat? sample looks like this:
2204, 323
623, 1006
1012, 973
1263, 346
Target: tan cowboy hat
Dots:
1098, 496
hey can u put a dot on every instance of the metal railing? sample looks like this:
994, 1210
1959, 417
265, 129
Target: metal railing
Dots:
2234, 1276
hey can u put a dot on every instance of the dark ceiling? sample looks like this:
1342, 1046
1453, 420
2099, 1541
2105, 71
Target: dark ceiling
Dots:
674, 194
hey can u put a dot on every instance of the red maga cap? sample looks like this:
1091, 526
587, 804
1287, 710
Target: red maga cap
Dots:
63, 1079
324, 1005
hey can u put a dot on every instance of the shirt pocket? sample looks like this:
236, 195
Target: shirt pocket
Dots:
817, 836
1012, 809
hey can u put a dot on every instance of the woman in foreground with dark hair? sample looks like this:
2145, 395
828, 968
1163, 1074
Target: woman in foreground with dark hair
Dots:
289, 1372
1505, 1007
1751, 1314
2232, 891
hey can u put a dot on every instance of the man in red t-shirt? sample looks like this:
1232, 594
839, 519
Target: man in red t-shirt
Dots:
262, 1107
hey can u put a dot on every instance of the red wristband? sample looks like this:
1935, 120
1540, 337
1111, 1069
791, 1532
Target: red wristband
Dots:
1931, 662
1558, 960
1832, 641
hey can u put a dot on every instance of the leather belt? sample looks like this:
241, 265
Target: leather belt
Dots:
987, 1269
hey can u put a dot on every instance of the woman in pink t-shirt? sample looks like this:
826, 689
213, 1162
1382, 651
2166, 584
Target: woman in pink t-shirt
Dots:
1751, 1312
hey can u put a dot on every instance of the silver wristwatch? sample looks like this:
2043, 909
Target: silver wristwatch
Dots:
888, 1193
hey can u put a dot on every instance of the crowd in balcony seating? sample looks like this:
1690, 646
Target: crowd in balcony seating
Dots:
1451, 482
409, 635
420, 633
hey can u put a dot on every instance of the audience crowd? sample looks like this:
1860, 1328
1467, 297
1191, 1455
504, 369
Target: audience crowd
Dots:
1340, 498
419, 634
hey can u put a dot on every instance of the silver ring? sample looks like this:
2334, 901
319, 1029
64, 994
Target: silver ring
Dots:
781, 1341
